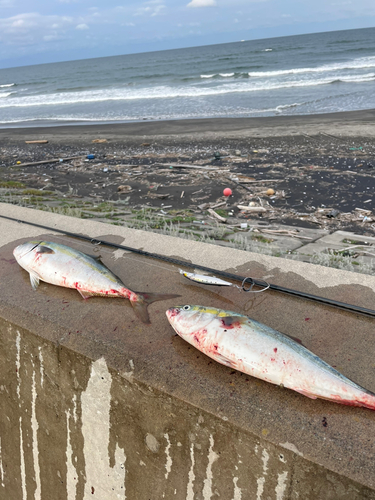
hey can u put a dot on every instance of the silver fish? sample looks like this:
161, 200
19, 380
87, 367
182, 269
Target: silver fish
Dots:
246, 345
64, 266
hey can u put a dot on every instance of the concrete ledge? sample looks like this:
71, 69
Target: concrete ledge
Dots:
96, 405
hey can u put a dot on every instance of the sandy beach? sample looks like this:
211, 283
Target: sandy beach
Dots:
319, 169
345, 124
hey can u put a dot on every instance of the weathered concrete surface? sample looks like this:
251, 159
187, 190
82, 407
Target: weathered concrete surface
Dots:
95, 404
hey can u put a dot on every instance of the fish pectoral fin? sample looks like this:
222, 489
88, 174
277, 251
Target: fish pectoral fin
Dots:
224, 360
43, 249
230, 321
307, 394
85, 295
34, 280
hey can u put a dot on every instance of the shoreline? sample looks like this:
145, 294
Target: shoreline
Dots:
340, 124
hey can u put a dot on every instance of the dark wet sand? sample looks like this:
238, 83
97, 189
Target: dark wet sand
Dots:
325, 160
347, 124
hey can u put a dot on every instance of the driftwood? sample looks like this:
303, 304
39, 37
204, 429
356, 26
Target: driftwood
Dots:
216, 215
52, 160
238, 184
217, 205
195, 167
259, 181
284, 232
252, 209
39, 141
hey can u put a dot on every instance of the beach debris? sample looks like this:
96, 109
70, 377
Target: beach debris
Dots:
363, 211
194, 167
90, 157
217, 205
238, 183
283, 232
262, 181
98, 141
333, 213
252, 208
244, 344
203, 206
227, 192
124, 188
42, 162
61, 265
270, 192
216, 215
39, 141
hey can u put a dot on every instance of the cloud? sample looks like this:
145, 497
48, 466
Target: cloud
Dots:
202, 3
152, 8
29, 28
82, 26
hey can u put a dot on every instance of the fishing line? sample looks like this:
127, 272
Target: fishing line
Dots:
104, 250
203, 279
181, 263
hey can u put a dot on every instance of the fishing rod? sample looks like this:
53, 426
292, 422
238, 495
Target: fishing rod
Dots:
244, 280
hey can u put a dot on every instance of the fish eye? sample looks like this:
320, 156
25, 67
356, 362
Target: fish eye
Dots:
186, 308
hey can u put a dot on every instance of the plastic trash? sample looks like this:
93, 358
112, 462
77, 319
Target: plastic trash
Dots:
333, 213
90, 157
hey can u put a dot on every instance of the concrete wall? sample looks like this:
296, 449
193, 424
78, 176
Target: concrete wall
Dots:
133, 412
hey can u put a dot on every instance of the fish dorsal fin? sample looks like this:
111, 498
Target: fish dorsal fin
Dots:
44, 249
34, 280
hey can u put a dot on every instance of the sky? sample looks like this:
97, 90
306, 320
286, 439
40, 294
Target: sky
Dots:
42, 31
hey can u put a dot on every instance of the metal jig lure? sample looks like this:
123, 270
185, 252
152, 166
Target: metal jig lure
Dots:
212, 280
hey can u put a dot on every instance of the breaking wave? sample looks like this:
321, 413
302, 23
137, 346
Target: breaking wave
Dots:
167, 92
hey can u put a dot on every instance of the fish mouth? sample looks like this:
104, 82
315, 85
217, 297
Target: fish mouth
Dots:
172, 312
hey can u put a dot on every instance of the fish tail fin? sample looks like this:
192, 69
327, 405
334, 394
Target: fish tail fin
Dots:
140, 301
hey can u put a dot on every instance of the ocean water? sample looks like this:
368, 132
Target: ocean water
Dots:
295, 75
